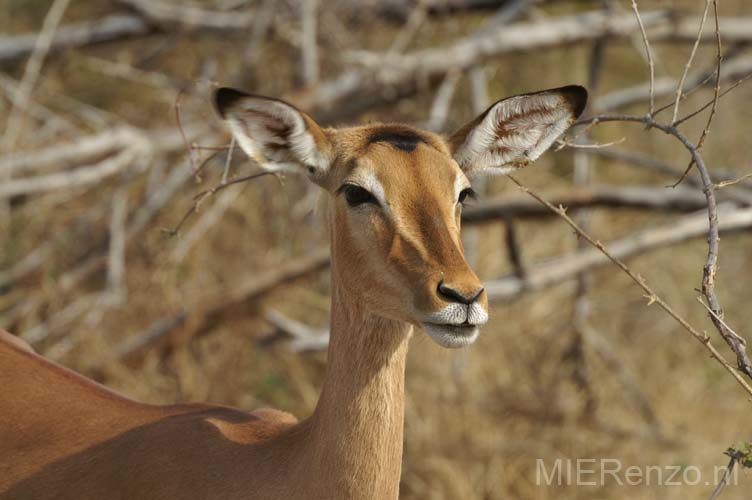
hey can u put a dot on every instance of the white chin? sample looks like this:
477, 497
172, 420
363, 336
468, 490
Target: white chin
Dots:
452, 336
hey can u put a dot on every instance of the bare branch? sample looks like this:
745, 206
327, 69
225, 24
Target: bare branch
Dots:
711, 263
706, 106
105, 29
208, 219
731, 182
652, 296
88, 174
540, 276
634, 197
304, 338
203, 195
680, 87
732, 69
716, 93
474, 49
649, 52
189, 16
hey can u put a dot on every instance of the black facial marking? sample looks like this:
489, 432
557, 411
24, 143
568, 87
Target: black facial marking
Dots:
402, 139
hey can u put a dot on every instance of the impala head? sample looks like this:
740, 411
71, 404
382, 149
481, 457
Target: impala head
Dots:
397, 195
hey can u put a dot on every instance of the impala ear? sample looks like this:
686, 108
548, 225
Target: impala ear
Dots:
276, 134
517, 130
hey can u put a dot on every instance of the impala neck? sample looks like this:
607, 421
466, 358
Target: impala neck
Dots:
358, 423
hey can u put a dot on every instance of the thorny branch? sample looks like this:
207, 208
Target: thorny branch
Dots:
652, 296
711, 264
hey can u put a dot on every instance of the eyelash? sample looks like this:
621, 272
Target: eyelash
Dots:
465, 194
356, 195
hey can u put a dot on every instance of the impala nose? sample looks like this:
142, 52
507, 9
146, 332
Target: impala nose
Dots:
453, 295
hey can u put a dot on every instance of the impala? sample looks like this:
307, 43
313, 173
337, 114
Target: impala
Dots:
396, 194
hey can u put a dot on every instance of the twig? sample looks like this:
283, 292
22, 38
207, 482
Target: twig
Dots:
649, 52
736, 195
718, 318
208, 220
711, 263
561, 144
710, 103
716, 92
226, 171
642, 283
543, 275
734, 68
724, 184
203, 195
680, 87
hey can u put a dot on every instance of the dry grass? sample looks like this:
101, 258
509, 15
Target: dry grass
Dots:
478, 419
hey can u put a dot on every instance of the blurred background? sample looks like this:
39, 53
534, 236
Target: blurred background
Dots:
110, 265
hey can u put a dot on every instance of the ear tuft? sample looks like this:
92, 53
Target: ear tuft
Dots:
225, 97
577, 97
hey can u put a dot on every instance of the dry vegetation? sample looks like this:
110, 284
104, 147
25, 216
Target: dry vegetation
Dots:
630, 385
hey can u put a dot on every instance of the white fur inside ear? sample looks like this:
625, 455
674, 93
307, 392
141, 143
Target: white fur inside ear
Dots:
514, 132
275, 135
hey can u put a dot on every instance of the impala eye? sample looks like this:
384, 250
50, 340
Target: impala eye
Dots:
465, 194
356, 195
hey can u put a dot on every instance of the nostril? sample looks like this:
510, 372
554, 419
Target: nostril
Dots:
477, 294
455, 295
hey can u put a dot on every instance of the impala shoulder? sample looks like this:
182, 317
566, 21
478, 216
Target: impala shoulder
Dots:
237, 425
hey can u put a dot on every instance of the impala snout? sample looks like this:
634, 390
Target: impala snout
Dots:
462, 310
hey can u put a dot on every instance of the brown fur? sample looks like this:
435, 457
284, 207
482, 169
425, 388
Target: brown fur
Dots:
63, 436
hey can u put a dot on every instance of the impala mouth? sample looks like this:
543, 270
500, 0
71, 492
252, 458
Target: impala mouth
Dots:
452, 335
